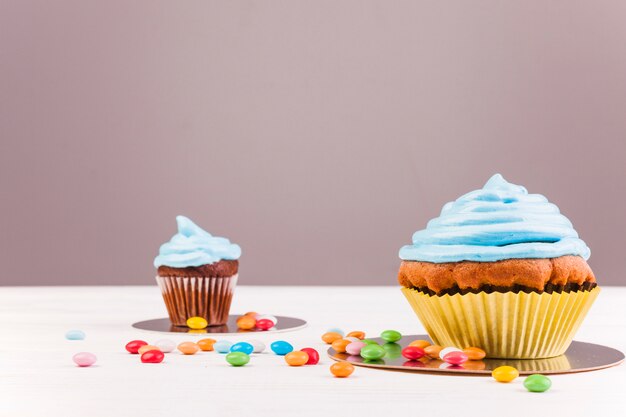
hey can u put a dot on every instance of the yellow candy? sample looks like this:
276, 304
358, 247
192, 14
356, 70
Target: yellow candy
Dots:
505, 373
197, 323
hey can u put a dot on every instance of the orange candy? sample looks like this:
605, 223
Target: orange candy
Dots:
330, 337
146, 348
420, 343
341, 369
206, 345
188, 348
246, 322
357, 333
252, 314
340, 345
297, 358
474, 353
433, 351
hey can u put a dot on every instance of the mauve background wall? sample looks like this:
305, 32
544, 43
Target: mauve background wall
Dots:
319, 135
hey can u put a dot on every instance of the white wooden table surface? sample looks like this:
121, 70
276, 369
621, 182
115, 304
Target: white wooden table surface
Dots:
38, 377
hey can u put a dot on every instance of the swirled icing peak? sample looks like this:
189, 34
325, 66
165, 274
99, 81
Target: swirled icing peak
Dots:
499, 221
193, 246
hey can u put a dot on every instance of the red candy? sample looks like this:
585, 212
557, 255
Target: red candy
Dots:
413, 352
264, 324
314, 357
152, 356
455, 358
134, 345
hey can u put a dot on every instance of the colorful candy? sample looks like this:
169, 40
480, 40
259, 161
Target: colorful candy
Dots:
152, 356
336, 330
222, 346
146, 348
264, 324
330, 337
84, 359
413, 352
455, 358
257, 345
134, 345
474, 353
246, 322
354, 348
433, 351
280, 347
244, 347
314, 356
505, 373
237, 358
341, 369
537, 383
165, 345
206, 345
188, 348
447, 350
297, 358
391, 336
373, 352
420, 343
197, 323
392, 350
357, 333
267, 317
75, 335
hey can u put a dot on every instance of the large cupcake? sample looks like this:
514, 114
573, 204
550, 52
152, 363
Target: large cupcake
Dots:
197, 274
500, 269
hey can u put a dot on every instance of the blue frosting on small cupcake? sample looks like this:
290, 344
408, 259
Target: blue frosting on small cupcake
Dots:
193, 246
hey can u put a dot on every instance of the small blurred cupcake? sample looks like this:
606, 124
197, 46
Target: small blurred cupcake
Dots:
197, 274
501, 269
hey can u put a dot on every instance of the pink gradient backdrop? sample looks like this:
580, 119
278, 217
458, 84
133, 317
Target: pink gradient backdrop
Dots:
318, 135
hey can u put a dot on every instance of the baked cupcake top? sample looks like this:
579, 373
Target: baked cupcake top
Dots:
193, 247
500, 221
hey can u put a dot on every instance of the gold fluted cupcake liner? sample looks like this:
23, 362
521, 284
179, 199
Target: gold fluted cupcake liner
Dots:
206, 297
506, 325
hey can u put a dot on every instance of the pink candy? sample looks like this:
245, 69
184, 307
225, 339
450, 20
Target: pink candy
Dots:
354, 348
84, 359
455, 358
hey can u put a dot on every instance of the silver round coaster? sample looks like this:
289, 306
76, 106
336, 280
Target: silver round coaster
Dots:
164, 325
579, 357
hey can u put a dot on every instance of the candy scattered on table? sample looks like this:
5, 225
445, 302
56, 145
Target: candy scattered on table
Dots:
237, 358
433, 351
373, 352
474, 353
206, 345
222, 346
134, 345
197, 323
152, 356
455, 358
505, 373
246, 322
264, 324
413, 352
447, 350
75, 335
340, 345
84, 359
354, 348
330, 337
336, 330
244, 347
146, 348
391, 335
257, 345
188, 348
165, 345
280, 347
420, 343
314, 356
297, 358
537, 383
341, 369
357, 333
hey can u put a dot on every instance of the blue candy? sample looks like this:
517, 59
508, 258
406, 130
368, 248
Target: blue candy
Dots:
244, 347
281, 347
222, 346
75, 335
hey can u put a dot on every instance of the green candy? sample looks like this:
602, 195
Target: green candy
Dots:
369, 342
237, 358
391, 336
372, 352
393, 350
537, 383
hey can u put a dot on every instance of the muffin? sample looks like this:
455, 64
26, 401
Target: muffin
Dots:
197, 274
500, 269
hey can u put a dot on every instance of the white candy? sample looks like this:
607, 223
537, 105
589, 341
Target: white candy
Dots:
352, 339
268, 317
165, 345
447, 350
257, 345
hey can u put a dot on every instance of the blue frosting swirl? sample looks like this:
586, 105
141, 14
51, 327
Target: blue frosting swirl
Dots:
499, 221
192, 246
